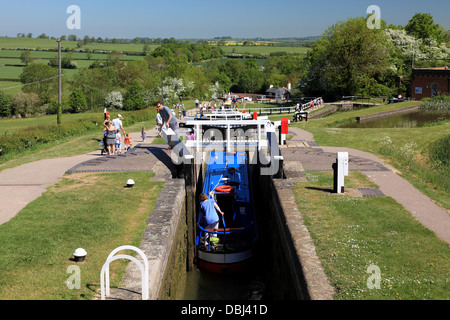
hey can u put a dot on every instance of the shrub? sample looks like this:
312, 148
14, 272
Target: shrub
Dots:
439, 152
77, 101
439, 104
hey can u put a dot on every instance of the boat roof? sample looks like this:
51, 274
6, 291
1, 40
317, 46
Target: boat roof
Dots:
228, 168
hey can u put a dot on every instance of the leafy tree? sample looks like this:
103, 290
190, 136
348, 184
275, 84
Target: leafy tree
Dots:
134, 70
223, 81
66, 62
422, 26
25, 104
346, 58
77, 101
177, 66
251, 79
96, 84
5, 104
232, 69
25, 57
134, 98
40, 79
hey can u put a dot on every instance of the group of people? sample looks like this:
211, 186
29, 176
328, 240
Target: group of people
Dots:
113, 128
112, 137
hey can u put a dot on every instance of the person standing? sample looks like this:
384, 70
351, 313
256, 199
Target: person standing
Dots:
209, 217
110, 133
169, 119
159, 123
117, 122
118, 141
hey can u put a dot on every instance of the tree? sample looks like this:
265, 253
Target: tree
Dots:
77, 101
25, 104
250, 79
346, 58
95, 83
422, 26
25, 57
5, 104
40, 79
134, 98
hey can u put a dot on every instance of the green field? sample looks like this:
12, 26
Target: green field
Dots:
32, 43
11, 49
263, 49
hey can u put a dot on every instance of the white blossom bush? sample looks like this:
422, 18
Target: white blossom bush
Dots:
427, 49
214, 90
174, 88
114, 100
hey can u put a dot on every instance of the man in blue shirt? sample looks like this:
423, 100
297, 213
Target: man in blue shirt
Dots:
209, 216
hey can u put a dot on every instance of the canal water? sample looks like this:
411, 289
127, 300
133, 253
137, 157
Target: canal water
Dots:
253, 283
410, 120
204, 285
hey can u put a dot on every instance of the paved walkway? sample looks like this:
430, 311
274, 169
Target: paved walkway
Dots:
302, 150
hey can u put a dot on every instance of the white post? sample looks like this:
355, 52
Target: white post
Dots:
342, 170
228, 138
197, 136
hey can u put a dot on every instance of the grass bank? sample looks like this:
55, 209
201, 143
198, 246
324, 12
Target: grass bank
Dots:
92, 211
372, 248
26, 138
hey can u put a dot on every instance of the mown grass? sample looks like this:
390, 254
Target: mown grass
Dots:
352, 234
92, 211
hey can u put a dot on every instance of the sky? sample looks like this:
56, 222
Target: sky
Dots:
202, 19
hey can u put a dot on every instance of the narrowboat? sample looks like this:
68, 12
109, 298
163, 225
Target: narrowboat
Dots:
229, 248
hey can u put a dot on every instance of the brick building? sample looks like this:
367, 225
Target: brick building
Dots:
430, 82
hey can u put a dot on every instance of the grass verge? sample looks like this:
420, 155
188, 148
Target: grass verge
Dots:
353, 234
92, 211
406, 149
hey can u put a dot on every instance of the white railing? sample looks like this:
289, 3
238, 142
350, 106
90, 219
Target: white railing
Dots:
260, 111
228, 125
104, 275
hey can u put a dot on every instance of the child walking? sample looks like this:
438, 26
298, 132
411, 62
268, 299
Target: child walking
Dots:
127, 142
143, 134
118, 138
